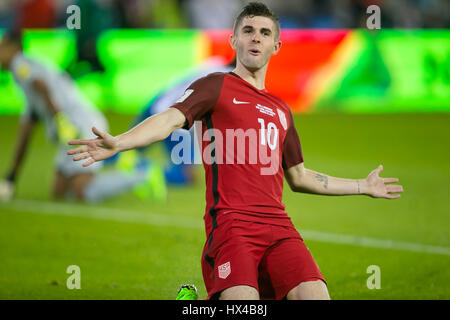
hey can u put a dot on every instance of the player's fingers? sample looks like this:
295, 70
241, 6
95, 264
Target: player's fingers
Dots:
392, 196
394, 188
77, 150
79, 141
89, 162
81, 157
390, 180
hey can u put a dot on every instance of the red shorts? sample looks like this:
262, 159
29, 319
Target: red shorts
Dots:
273, 259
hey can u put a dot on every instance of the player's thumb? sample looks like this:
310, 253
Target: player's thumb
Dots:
379, 169
98, 132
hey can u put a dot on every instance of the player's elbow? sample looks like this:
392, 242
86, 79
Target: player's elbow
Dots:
295, 176
296, 184
298, 187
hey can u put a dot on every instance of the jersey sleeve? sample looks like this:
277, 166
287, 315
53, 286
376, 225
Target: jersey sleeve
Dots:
292, 149
200, 98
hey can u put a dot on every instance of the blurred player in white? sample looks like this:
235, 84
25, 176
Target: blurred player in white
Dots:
53, 98
181, 173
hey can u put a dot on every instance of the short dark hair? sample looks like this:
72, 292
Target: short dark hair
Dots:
13, 36
258, 9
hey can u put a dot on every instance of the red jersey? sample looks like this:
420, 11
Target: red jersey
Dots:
248, 139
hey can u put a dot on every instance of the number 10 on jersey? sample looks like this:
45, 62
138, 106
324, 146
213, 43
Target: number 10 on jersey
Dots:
268, 135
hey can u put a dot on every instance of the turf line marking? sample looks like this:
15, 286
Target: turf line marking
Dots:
102, 213
121, 215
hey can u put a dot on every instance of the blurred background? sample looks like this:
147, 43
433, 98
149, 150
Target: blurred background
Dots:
360, 98
127, 51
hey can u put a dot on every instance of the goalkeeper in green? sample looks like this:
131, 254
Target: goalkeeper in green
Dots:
53, 98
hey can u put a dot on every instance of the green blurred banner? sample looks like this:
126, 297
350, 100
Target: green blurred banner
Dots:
316, 70
393, 71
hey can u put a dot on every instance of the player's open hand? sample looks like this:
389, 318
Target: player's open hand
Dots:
100, 148
378, 187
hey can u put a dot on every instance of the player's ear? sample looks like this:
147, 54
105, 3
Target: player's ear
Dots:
232, 40
276, 47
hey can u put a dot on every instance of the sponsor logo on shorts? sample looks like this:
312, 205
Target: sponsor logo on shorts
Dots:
224, 270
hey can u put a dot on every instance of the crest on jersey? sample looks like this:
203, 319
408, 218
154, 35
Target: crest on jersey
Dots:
282, 117
224, 270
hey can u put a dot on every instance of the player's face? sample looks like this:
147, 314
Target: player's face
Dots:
255, 41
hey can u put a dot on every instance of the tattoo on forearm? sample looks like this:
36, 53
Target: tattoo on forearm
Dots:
322, 178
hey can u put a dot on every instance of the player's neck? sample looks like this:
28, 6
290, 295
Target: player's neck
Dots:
255, 78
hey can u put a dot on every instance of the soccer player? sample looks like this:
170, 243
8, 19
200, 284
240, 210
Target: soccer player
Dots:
53, 98
252, 249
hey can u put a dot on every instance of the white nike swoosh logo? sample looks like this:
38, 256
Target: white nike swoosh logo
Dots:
239, 102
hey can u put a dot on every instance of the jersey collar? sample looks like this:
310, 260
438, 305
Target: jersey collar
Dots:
248, 84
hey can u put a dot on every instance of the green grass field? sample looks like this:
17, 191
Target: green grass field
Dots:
131, 249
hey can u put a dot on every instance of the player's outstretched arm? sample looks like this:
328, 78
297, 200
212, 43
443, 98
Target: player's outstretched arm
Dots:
152, 129
304, 180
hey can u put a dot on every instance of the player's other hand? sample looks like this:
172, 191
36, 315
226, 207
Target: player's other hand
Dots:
7, 190
378, 187
100, 148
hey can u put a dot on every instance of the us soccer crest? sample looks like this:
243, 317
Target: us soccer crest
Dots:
282, 117
224, 270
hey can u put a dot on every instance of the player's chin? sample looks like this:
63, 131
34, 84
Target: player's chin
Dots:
253, 64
